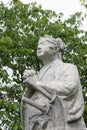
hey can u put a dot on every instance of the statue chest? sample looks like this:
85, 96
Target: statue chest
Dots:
50, 73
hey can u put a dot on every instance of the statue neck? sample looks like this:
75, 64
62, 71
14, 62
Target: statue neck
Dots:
47, 61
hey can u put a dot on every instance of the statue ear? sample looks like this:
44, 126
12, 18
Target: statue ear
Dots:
60, 44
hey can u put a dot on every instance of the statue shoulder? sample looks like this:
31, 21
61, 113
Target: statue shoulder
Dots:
71, 69
64, 64
64, 67
69, 65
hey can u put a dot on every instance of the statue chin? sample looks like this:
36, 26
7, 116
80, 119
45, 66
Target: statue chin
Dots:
42, 56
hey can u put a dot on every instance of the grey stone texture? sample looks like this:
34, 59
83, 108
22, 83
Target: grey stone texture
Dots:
53, 97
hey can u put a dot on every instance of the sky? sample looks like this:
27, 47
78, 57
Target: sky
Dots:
67, 7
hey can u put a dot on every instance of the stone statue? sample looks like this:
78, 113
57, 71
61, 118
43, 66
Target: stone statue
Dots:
53, 98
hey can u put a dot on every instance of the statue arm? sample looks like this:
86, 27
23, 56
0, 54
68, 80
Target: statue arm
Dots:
68, 84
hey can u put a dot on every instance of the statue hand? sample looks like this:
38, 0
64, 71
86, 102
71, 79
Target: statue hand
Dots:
29, 75
30, 82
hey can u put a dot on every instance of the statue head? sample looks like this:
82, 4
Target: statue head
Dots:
49, 47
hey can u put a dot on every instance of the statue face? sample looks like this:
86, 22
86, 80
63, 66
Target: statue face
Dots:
45, 49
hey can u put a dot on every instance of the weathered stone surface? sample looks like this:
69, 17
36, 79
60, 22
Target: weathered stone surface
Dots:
55, 92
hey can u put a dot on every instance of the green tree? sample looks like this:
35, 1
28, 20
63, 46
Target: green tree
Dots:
20, 27
84, 3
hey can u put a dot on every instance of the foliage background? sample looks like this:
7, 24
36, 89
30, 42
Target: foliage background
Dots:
20, 27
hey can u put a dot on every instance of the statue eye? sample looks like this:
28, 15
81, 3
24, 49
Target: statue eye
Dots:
51, 47
44, 44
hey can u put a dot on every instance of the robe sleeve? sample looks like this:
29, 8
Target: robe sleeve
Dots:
24, 107
66, 85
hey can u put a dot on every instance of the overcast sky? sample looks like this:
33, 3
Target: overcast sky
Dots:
67, 7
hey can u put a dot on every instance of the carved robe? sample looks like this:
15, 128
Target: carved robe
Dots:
63, 80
